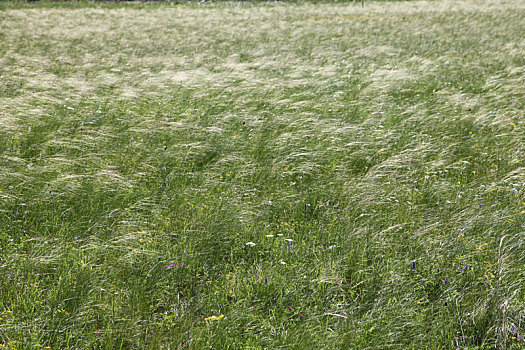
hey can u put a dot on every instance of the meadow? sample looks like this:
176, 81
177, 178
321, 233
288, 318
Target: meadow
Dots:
332, 175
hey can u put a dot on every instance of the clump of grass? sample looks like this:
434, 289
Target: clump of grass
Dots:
262, 175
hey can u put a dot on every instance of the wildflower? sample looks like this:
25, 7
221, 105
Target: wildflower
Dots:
520, 338
170, 266
300, 315
446, 280
290, 308
413, 264
514, 330
289, 245
269, 236
251, 244
265, 280
214, 318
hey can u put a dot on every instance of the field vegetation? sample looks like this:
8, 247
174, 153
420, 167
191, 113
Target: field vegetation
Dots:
262, 175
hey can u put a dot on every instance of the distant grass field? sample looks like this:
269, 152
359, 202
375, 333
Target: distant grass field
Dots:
262, 176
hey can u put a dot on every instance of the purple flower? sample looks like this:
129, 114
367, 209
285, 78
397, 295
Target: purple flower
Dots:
170, 266
289, 245
446, 280
413, 264
265, 280
300, 315
520, 338
343, 218
514, 330
290, 308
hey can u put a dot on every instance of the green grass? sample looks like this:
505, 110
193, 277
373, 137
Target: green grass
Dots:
385, 141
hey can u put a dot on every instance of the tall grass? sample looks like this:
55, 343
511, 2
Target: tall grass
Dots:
262, 176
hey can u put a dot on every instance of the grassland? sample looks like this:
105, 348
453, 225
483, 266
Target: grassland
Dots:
271, 175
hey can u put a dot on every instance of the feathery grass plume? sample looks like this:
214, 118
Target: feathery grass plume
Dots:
139, 138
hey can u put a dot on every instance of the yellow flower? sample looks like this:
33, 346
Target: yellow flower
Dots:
214, 318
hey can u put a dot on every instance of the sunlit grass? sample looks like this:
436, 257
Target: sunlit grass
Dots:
269, 175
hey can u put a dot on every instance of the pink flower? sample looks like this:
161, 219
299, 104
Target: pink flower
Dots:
170, 266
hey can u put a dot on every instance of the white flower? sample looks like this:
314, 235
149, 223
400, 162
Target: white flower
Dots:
288, 239
269, 236
251, 244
